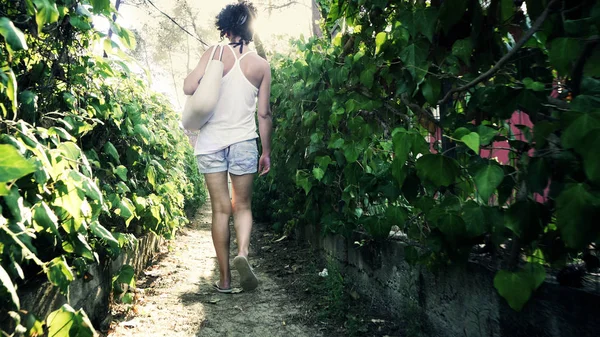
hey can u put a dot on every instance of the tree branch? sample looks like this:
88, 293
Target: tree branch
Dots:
177, 24
534, 28
577, 71
432, 124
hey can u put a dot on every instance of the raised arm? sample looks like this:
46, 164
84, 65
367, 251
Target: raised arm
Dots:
190, 84
265, 121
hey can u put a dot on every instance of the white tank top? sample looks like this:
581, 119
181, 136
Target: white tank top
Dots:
234, 115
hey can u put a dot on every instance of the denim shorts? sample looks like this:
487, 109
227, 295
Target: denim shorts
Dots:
238, 159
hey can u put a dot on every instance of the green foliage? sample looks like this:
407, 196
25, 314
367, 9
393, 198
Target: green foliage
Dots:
89, 156
352, 112
517, 287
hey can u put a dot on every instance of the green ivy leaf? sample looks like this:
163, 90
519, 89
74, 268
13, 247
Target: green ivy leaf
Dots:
6, 286
533, 85
318, 173
47, 13
12, 164
127, 37
574, 134
151, 175
475, 219
121, 172
486, 134
11, 89
126, 209
507, 10
415, 60
59, 274
439, 169
4, 189
591, 160
104, 234
303, 181
110, 149
367, 76
323, 162
396, 215
538, 175
91, 190
592, 65
463, 49
525, 218
143, 131
517, 287
472, 141
70, 198
14, 37
100, 6
68, 322
425, 21
378, 227
70, 150
398, 171
352, 151
380, 39
488, 178
563, 52
402, 142
80, 23
45, 217
126, 275
82, 248
576, 207
431, 89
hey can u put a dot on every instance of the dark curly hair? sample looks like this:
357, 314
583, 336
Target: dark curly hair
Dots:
237, 20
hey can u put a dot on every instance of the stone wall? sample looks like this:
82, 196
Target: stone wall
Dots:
458, 300
93, 293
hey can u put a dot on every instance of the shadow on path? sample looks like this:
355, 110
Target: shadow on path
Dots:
176, 297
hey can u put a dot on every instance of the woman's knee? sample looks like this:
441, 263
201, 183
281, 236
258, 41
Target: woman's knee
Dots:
223, 207
241, 205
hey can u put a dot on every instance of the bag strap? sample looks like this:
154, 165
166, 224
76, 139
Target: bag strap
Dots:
212, 55
221, 55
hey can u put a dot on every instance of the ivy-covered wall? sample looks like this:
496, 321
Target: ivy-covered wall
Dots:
353, 110
90, 158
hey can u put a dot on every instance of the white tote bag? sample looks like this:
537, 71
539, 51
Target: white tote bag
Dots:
199, 107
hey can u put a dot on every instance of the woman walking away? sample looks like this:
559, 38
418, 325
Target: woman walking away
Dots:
227, 142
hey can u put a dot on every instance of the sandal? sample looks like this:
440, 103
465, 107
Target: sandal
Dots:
248, 280
221, 290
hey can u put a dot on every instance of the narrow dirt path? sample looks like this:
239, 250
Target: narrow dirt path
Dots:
175, 296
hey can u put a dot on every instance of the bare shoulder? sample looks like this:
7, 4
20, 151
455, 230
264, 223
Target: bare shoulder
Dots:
261, 63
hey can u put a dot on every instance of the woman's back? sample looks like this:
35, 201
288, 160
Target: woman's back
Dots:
233, 119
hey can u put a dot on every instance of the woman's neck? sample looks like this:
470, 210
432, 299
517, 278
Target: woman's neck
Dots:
235, 39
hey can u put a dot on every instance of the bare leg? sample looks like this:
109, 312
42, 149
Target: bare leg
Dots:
242, 212
221, 211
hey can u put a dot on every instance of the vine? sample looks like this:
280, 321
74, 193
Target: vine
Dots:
90, 158
397, 117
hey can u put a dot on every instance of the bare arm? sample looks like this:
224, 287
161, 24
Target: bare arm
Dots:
190, 84
265, 121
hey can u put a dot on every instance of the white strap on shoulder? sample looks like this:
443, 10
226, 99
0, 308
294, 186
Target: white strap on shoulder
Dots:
252, 51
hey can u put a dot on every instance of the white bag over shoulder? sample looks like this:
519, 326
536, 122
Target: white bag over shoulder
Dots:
199, 107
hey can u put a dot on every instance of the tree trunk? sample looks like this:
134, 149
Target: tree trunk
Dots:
117, 5
260, 48
110, 31
316, 18
187, 40
173, 76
